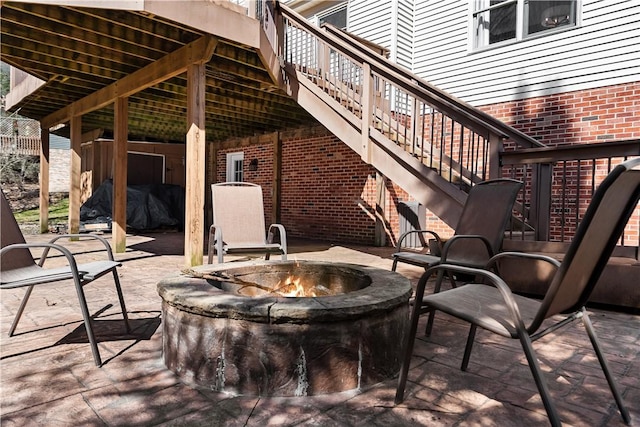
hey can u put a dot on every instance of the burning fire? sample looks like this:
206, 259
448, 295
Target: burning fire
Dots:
294, 286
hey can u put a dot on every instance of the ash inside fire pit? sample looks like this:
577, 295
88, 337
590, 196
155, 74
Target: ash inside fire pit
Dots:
256, 328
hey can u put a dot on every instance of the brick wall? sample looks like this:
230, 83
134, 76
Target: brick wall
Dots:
328, 193
263, 176
579, 117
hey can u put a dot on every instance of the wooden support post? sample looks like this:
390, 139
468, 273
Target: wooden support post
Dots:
119, 203
195, 164
541, 182
44, 180
380, 238
495, 148
74, 181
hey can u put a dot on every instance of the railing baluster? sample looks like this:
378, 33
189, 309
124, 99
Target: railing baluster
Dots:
400, 103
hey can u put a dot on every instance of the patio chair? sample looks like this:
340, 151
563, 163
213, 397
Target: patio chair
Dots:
239, 225
19, 269
491, 305
478, 234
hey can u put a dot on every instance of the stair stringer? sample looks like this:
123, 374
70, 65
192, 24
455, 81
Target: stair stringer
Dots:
422, 183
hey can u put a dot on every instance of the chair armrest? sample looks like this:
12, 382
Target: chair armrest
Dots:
492, 279
461, 238
73, 266
540, 257
408, 233
101, 239
281, 232
215, 240
493, 263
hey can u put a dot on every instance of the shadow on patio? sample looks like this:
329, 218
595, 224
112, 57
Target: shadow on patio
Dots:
48, 376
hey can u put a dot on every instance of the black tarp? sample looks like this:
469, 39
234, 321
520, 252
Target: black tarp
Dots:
149, 207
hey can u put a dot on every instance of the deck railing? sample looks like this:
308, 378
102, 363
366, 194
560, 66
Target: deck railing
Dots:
19, 136
24, 145
459, 141
559, 183
464, 144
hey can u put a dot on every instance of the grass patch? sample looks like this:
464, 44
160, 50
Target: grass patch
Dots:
58, 212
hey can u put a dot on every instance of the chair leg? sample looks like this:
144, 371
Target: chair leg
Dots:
87, 324
534, 366
116, 279
211, 246
395, 264
452, 280
23, 304
408, 347
432, 313
468, 347
605, 367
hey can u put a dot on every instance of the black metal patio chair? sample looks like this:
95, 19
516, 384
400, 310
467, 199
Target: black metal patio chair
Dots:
491, 305
477, 237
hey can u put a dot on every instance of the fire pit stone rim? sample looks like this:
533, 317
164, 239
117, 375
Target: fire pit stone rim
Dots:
193, 294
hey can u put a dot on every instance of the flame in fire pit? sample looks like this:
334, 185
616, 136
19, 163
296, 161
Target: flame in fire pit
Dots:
293, 287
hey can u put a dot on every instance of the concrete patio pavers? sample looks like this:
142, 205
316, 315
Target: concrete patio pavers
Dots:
48, 377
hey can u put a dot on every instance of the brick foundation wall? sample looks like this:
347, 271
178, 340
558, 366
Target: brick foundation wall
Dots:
328, 193
599, 115
580, 117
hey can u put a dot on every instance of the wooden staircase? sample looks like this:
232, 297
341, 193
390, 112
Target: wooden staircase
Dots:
431, 144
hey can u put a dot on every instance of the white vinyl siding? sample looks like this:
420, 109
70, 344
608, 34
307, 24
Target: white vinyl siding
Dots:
440, 34
404, 39
603, 50
372, 20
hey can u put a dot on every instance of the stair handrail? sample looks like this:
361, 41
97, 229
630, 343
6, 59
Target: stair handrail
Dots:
523, 140
465, 113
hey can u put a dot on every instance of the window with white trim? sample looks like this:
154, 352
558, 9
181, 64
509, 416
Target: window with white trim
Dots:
235, 167
496, 21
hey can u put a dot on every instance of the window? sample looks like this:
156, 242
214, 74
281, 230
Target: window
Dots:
235, 167
495, 21
336, 17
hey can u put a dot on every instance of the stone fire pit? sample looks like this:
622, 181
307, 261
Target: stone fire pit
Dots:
225, 329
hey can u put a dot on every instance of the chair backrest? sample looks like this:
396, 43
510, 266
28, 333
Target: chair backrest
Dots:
486, 212
10, 234
611, 207
238, 209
